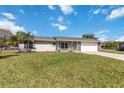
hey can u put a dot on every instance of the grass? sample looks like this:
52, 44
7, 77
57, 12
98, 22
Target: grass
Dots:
53, 69
112, 51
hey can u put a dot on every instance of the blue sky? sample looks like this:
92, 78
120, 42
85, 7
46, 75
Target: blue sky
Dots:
106, 22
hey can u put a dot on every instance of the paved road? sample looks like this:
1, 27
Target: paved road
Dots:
111, 55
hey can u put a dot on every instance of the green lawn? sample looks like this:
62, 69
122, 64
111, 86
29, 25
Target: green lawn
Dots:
112, 51
54, 69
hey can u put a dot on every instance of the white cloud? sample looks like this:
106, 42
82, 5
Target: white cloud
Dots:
97, 11
34, 32
60, 19
120, 39
59, 26
101, 35
104, 11
22, 11
8, 15
75, 13
11, 26
113, 6
102, 31
116, 13
52, 7
66, 9
104, 38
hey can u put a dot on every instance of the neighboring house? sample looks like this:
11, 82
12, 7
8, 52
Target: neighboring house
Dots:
121, 46
62, 44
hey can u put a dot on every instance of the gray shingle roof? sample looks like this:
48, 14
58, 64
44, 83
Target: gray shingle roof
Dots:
68, 39
64, 39
44, 38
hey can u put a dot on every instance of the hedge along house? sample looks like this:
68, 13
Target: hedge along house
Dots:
64, 44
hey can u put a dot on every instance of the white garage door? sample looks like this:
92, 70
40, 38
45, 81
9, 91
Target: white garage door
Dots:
45, 47
91, 47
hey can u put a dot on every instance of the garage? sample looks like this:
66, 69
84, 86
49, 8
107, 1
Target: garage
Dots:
89, 46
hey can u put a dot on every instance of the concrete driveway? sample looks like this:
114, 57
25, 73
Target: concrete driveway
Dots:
111, 55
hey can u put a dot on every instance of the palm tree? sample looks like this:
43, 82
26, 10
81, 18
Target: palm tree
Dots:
28, 39
21, 37
91, 36
12, 41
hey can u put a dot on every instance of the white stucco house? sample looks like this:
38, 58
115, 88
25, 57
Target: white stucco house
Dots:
64, 44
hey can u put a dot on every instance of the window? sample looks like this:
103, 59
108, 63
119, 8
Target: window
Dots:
25, 45
31, 46
64, 45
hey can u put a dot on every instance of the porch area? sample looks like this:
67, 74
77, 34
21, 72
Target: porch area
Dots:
66, 46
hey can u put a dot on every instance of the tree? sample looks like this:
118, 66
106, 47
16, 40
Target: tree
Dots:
12, 41
4, 36
90, 36
29, 36
2, 42
21, 37
111, 44
28, 39
116, 44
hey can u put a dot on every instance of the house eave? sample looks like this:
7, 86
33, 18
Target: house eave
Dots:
65, 39
44, 40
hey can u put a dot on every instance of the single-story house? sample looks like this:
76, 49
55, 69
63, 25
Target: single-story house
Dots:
121, 46
73, 44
